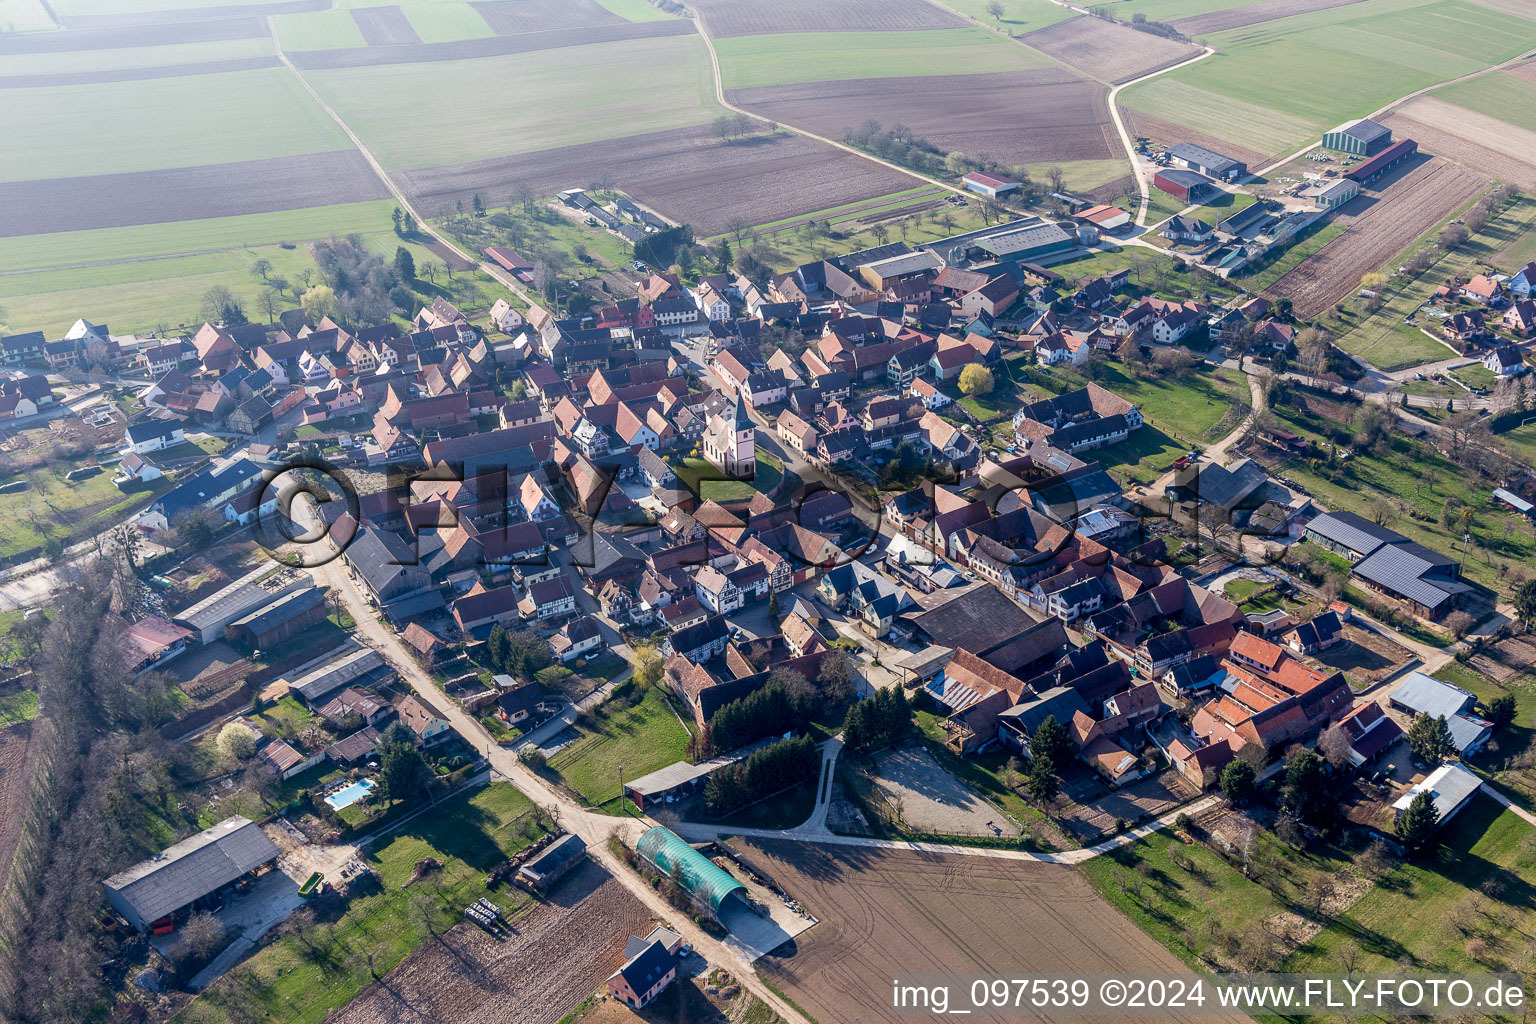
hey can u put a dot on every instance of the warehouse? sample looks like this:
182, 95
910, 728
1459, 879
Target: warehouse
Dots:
288, 616
1190, 186
249, 594
710, 886
1206, 161
1331, 195
1362, 137
987, 184
362, 667
191, 875
1393, 156
1026, 242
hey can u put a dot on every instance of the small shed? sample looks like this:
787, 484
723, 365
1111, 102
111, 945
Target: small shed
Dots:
554, 862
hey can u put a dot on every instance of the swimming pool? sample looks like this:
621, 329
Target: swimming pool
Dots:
351, 795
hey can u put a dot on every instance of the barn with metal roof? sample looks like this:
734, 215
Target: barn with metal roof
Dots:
185, 876
707, 884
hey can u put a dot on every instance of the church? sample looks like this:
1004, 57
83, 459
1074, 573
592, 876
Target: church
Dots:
730, 443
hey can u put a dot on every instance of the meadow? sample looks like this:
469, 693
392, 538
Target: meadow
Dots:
161, 123
639, 739
522, 103
1019, 16
1506, 97
793, 57
446, 23
318, 30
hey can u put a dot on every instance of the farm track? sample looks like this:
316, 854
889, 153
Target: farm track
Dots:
1380, 226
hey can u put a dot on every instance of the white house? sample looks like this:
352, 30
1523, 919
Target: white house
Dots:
1523, 284
711, 303
1505, 361
716, 591
504, 318
153, 436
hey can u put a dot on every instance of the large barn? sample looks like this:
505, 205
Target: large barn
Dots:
1206, 161
1362, 137
710, 886
1190, 186
191, 875
1393, 156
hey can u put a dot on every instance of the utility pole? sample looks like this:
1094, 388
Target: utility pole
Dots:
621, 792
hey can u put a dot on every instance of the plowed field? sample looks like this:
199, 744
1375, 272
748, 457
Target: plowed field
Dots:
1496, 148
557, 955
509, 17
1265, 10
1019, 117
384, 26
884, 913
1108, 51
1378, 226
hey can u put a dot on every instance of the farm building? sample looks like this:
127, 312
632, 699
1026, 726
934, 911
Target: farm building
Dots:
1206, 161
1362, 137
190, 875
1190, 186
987, 185
511, 262
680, 780
249, 594
1451, 786
361, 667
1422, 694
554, 862
1331, 194
1105, 218
154, 641
288, 615
707, 884
1393, 156
1026, 242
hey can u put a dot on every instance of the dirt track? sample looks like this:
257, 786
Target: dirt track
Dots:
887, 913
1265, 10
15, 773
560, 953
745, 18
1019, 117
1108, 51
687, 174
1378, 226
186, 193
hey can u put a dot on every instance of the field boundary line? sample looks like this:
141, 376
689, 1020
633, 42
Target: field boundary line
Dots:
496, 273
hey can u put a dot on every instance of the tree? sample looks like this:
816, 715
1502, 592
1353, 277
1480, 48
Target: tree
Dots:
395, 218
1501, 710
882, 233
262, 268
1042, 783
269, 303
203, 936
319, 302
1335, 746
722, 253
976, 379
478, 205
1430, 738
647, 664
1237, 781
1525, 602
410, 225
1304, 792
236, 741
1415, 827
221, 306
403, 772
405, 264
1451, 236
1046, 750
995, 8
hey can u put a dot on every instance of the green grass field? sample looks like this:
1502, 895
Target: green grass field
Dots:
18, 707
635, 10
1173, 10
1274, 85
1319, 234
444, 23
1504, 96
472, 109
748, 61
161, 123
301, 979
1019, 16
318, 30
51, 506
640, 739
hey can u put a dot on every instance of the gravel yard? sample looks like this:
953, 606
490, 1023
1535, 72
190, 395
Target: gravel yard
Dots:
930, 799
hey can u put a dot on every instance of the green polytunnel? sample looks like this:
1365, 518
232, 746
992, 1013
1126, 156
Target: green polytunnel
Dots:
707, 882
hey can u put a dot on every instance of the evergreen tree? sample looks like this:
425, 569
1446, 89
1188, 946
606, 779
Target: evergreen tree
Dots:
405, 264
1416, 826
1430, 738
1501, 710
1237, 781
403, 772
410, 225
479, 205
1049, 741
395, 217
1042, 782
1304, 792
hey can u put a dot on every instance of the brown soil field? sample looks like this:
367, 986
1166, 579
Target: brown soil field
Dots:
1167, 133
186, 193
1265, 10
490, 46
509, 17
180, 15
1519, 8
1496, 148
884, 913
757, 17
558, 954
1110, 191
212, 67
688, 175
1378, 225
1107, 51
135, 34
1018, 117
15, 772
384, 26
1527, 70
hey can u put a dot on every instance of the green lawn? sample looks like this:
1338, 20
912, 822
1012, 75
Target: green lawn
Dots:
640, 739
706, 481
1476, 376
635, 10
300, 980
1274, 85
161, 123
66, 509
791, 57
1507, 97
445, 23
471, 110
17, 707
1222, 206
318, 30
1019, 16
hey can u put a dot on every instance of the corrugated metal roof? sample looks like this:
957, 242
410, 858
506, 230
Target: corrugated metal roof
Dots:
1426, 695
1404, 571
1358, 534
193, 868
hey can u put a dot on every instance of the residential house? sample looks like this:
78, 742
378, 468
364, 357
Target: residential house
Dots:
428, 728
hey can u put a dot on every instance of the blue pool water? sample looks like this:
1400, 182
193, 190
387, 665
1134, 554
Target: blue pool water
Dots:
351, 795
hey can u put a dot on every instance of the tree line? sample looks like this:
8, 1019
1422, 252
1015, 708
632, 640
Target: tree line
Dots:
774, 768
